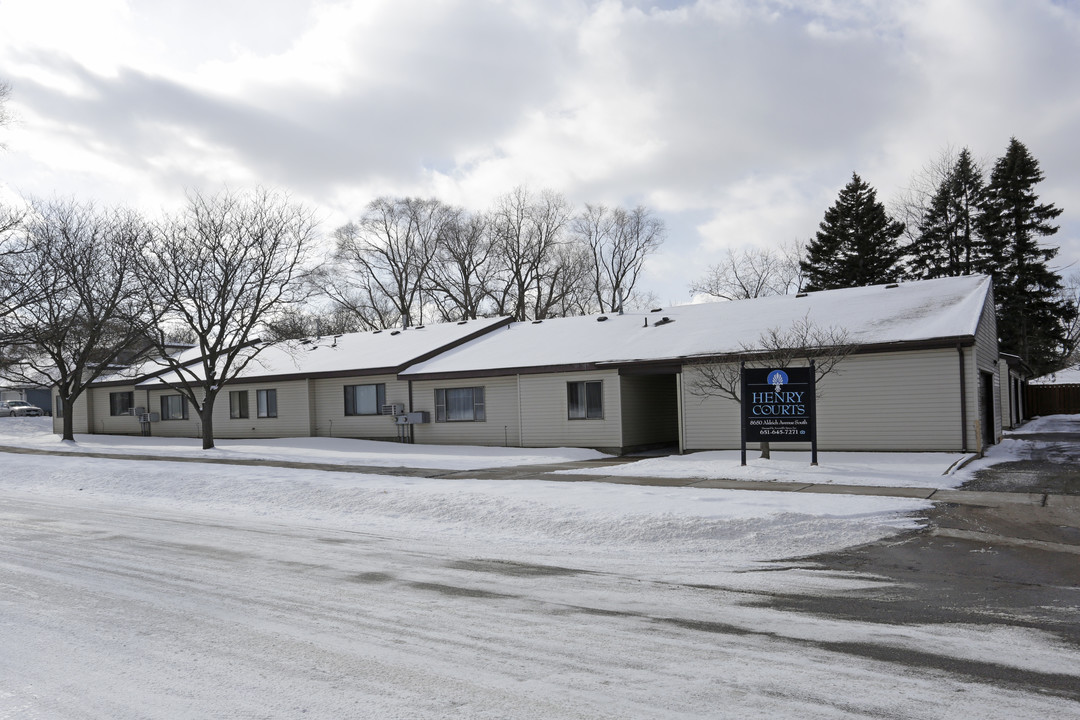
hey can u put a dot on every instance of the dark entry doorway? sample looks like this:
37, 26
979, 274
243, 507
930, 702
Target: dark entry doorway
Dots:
986, 405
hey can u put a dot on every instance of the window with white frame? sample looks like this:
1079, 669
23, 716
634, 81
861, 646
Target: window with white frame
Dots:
267, 403
460, 405
238, 404
365, 399
585, 400
174, 407
120, 403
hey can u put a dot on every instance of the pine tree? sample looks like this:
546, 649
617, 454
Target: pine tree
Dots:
948, 240
856, 243
1032, 315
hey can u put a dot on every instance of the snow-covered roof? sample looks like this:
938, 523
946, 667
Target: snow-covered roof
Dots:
1068, 376
379, 351
147, 367
880, 314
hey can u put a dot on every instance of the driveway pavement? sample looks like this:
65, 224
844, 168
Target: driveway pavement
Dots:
1002, 550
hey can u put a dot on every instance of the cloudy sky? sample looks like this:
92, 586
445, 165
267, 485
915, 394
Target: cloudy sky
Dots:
738, 121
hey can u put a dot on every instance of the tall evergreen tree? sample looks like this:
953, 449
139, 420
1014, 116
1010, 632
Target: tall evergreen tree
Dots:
856, 243
948, 239
1032, 314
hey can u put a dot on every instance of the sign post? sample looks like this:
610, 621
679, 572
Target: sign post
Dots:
778, 405
742, 425
813, 414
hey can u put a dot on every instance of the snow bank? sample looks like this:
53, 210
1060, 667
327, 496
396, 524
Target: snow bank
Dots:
600, 525
1049, 424
37, 433
922, 470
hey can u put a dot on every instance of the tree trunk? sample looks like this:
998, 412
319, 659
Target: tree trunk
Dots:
206, 417
67, 406
765, 451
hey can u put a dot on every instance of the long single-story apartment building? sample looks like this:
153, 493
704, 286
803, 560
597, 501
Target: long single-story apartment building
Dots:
922, 374
334, 386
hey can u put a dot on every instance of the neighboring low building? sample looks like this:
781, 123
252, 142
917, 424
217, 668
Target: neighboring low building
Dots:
1055, 394
37, 396
1066, 376
924, 375
1014, 374
291, 389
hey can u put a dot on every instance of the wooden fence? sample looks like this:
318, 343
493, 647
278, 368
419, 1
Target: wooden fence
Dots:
1053, 400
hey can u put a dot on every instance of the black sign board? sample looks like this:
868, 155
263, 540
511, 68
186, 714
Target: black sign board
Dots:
778, 405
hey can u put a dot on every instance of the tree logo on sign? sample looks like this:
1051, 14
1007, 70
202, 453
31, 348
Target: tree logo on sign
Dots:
778, 378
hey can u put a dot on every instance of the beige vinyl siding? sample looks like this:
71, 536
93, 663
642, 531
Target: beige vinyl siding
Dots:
892, 401
885, 401
80, 414
329, 417
649, 409
501, 426
986, 360
101, 422
191, 427
1012, 405
710, 423
313, 409
1004, 401
974, 412
545, 416
293, 412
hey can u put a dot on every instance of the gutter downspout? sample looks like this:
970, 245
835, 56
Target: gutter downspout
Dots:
963, 400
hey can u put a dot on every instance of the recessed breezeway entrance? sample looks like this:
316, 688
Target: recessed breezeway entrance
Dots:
650, 408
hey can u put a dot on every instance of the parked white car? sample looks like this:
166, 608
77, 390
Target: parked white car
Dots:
11, 408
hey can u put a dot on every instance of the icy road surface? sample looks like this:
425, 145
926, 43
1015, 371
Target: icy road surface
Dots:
153, 590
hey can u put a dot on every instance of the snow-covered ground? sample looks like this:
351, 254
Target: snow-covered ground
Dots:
923, 470
701, 531
161, 589
1049, 424
37, 433
712, 530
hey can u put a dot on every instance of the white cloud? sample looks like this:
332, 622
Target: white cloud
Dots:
738, 120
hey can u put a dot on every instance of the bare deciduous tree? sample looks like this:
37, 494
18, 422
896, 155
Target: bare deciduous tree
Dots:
752, 273
459, 277
13, 243
356, 294
10, 241
223, 269
914, 203
381, 263
527, 231
1070, 293
80, 304
777, 347
295, 323
618, 241
570, 285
